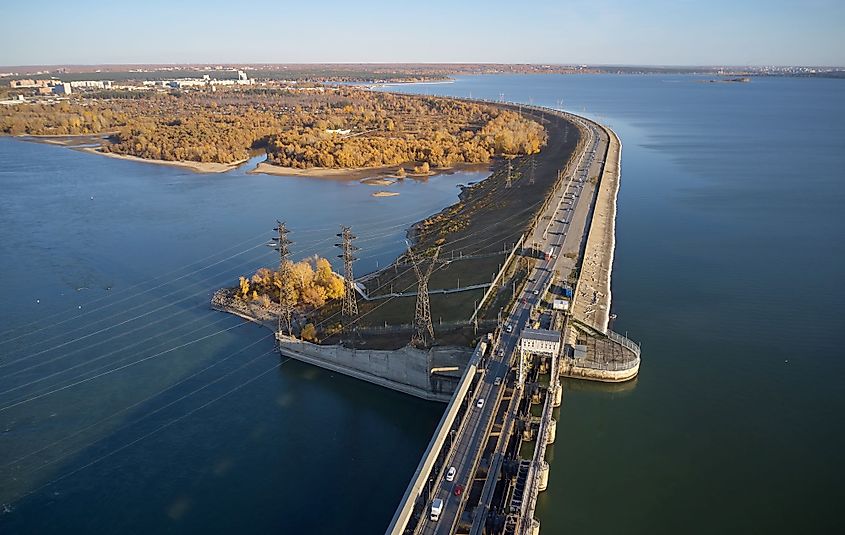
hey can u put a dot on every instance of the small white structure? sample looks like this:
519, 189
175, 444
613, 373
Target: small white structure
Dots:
560, 304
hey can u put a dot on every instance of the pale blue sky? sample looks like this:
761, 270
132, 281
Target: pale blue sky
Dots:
644, 32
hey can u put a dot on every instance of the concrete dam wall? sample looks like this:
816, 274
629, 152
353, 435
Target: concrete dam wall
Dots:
407, 369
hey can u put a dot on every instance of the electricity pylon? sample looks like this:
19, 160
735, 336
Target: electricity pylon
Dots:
510, 171
282, 245
423, 329
350, 304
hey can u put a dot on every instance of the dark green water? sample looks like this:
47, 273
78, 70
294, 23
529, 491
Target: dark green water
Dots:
729, 262
728, 270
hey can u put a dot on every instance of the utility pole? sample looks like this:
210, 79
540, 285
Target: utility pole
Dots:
531, 170
282, 245
350, 304
423, 329
508, 184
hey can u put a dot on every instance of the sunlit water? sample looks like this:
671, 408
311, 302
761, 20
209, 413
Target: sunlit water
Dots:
728, 269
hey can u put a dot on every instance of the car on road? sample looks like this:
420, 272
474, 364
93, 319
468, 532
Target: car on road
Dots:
450, 475
458, 490
436, 509
497, 381
501, 352
480, 403
536, 292
509, 328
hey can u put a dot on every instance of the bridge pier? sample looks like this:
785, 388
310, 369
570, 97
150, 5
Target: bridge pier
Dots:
552, 431
544, 476
557, 393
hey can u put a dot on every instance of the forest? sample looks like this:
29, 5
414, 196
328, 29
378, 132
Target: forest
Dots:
333, 127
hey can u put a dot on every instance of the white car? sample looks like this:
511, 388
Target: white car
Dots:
497, 381
436, 509
479, 403
536, 292
450, 475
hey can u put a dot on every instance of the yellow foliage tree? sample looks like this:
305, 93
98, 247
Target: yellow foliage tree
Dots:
309, 332
244, 288
311, 283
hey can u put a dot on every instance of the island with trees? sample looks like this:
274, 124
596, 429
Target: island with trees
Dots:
301, 129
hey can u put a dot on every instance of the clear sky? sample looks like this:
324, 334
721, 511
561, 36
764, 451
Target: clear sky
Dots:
640, 32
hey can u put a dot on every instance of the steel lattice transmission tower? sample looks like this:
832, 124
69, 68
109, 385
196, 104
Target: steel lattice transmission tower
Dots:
282, 245
423, 329
350, 305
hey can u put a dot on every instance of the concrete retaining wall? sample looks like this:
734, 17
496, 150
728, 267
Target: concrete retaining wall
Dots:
594, 374
405, 370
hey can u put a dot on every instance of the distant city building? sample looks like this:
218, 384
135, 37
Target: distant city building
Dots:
91, 84
208, 81
32, 84
12, 101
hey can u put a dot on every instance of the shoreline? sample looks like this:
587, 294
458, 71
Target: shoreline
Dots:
362, 173
198, 167
65, 140
83, 142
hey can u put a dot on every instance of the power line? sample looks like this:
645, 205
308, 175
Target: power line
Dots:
140, 403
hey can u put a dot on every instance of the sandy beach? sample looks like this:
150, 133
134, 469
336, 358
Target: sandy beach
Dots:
199, 167
67, 140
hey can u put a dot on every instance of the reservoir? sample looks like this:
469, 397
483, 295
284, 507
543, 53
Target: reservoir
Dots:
127, 405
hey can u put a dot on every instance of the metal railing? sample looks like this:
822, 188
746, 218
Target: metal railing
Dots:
624, 341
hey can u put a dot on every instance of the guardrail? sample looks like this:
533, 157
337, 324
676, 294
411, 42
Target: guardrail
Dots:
430, 292
625, 341
408, 327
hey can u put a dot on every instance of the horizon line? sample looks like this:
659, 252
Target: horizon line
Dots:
424, 63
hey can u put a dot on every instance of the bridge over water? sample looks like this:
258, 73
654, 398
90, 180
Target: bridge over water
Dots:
493, 418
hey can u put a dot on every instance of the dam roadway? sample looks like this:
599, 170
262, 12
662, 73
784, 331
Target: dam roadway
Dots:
472, 447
